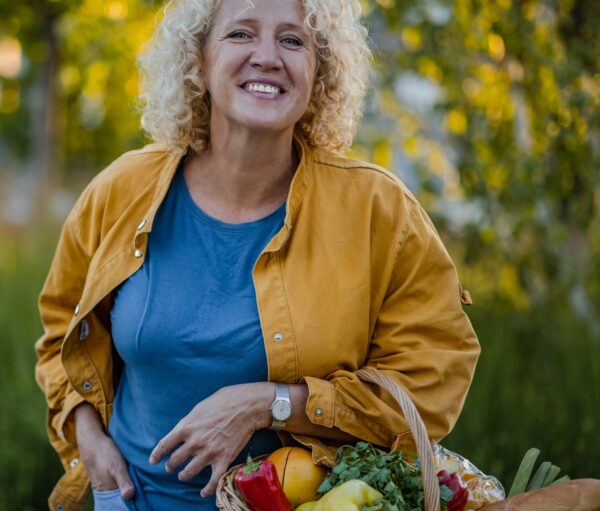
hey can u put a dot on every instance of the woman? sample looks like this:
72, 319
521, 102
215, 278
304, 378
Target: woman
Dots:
213, 295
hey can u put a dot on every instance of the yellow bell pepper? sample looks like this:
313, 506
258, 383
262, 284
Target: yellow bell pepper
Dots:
345, 497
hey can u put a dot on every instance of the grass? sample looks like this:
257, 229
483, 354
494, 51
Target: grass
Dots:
28, 465
537, 384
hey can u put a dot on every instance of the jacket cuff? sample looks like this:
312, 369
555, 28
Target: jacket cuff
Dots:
64, 422
323, 450
321, 401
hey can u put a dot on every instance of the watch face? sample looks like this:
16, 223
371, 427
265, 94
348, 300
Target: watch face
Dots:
281, 410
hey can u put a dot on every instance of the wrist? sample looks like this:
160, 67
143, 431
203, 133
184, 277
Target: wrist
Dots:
264, 397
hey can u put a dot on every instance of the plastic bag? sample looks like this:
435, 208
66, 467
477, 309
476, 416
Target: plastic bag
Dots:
483, 489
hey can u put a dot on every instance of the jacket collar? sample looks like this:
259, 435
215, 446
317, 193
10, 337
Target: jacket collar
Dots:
300, 182
162, 186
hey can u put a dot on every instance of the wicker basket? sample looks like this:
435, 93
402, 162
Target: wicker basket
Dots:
229, 500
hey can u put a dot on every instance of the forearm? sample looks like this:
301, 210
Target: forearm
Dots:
88, 424
299, 422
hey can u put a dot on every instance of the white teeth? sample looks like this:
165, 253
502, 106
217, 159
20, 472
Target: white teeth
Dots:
261, 87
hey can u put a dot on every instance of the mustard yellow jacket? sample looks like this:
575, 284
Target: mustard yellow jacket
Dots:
356, 276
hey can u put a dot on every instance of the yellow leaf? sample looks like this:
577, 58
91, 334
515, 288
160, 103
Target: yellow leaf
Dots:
115, 10
411, 37
410, 147
496, 47
436, 159
496, 177
132, 86
456, 122
510, 286
97, 75
382, 154
429, 68
69, 78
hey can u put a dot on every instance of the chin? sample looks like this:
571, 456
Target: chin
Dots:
268, 125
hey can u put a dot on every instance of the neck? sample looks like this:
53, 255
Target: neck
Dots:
245, 169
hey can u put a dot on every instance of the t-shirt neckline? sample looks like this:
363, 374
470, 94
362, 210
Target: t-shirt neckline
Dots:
199, 213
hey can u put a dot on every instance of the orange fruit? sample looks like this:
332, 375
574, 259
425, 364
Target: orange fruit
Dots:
299, 476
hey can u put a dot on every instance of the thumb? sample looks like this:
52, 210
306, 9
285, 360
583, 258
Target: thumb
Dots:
123, 481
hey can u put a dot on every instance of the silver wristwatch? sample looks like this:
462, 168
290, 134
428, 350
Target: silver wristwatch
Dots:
281, 407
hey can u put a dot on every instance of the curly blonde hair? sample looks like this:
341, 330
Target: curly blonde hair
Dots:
176, 107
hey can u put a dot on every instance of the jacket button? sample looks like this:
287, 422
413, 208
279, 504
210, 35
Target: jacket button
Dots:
141, 224
319, 412
87, 385
138, 253
77, 308
278, 336
74, 462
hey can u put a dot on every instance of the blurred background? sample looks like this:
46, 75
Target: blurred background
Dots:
487, 109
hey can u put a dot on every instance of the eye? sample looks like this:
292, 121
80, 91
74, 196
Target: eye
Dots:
238, 35
292, 41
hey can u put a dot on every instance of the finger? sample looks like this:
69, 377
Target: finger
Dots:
183, 453
217, 472
121, 477
194, 467
166, 444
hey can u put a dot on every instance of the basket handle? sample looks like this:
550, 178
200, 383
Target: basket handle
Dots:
417, 427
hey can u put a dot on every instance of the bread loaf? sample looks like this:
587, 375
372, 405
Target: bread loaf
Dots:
575, 495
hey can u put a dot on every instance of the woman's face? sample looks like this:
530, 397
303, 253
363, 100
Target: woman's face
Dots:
259, 65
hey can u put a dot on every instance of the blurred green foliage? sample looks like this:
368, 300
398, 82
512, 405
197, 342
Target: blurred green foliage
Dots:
27, 462
514, 132
488, 109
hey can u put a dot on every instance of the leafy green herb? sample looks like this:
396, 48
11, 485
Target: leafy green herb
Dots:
398, 480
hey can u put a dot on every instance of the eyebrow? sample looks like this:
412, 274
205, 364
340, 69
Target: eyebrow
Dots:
254, 21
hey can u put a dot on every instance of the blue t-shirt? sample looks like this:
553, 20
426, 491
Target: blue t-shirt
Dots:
186, 324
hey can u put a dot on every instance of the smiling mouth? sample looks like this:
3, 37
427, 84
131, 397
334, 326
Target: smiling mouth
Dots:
263, 88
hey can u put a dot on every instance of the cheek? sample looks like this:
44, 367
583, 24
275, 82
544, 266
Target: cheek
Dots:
214, 67
306, 73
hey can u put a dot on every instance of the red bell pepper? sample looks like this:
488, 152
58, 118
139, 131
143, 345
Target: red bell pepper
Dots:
458, 489
260, 488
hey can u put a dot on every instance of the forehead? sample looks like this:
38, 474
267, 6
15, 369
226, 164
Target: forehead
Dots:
275, 12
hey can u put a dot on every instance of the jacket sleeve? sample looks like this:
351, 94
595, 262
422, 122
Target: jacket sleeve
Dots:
57, 302
422, 339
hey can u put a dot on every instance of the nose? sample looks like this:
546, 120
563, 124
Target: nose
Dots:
266, 55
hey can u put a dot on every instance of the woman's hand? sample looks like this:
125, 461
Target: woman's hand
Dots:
100, 456
215, 431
